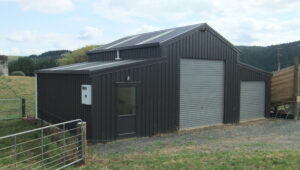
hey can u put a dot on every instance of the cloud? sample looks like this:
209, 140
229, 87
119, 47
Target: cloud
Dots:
21, 51
90, 33
142, 29
250, 22
132, 10
44, 6
23, 36
262, 22
27, 42
35, 37
252, 31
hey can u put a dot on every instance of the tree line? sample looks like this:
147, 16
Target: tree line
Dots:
28, 65
266, 58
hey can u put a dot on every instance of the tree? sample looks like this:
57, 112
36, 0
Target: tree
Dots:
29, 65
45, 63
76, 56
23, 64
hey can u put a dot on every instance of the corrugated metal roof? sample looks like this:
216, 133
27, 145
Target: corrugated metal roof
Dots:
147, 38
89, 66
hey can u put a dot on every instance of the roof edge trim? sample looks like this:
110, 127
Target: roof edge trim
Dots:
223, 38
140, 63
124, 48
253, 68
204, 25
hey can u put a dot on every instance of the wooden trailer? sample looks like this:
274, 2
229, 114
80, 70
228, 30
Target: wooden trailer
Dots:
285, 89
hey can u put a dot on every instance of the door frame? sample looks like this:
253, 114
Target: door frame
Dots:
135, 84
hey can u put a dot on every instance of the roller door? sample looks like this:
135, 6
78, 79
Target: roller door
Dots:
201, 92
252, 103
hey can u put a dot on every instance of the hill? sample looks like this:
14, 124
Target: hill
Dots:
13, 58
76, 56
266, 57
50, 54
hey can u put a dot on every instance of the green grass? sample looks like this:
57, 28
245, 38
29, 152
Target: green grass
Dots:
187, 158
8, 127
17, 87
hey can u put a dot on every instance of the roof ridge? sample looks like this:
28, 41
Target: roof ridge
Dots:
140, 39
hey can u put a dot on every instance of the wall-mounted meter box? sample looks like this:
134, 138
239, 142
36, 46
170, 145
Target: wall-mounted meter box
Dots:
86, 94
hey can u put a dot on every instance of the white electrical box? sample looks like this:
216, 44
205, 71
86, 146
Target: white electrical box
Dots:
86, 94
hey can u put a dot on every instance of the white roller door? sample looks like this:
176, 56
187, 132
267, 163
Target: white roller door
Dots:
252, 100
201, 92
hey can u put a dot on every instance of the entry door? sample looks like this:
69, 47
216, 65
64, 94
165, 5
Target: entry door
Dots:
127, 109
201, 93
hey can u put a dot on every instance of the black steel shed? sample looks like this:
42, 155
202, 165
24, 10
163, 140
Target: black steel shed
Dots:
157, 82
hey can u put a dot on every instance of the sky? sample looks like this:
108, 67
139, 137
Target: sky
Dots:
35, 26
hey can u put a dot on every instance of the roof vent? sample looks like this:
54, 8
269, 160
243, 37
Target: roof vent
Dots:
118, 55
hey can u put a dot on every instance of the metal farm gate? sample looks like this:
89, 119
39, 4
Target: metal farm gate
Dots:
52, 147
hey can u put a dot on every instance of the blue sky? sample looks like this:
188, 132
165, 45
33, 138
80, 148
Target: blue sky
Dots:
35, 26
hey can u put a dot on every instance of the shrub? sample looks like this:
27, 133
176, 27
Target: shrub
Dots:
17, 73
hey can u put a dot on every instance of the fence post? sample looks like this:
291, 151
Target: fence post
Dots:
296, 88
42, 143
82, 127
15, 151
64, 126
23, 104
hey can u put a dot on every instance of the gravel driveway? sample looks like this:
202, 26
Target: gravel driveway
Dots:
268, 134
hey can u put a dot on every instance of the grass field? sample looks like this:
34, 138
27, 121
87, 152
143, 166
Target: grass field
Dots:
15, 87
184, 157
8, 127
13, 58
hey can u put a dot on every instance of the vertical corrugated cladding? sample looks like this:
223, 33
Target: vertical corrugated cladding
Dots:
59, 98
103, 56
153, 115
248, 73
209, 45
145, 52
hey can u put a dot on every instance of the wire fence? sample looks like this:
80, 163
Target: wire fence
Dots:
51, 147
12, 108
12, 91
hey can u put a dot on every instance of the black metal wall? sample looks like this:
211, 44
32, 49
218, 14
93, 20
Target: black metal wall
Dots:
146, 52
204, 45
248, 73
59, 98
155, 114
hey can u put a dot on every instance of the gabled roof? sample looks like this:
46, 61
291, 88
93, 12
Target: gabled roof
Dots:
145, 39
